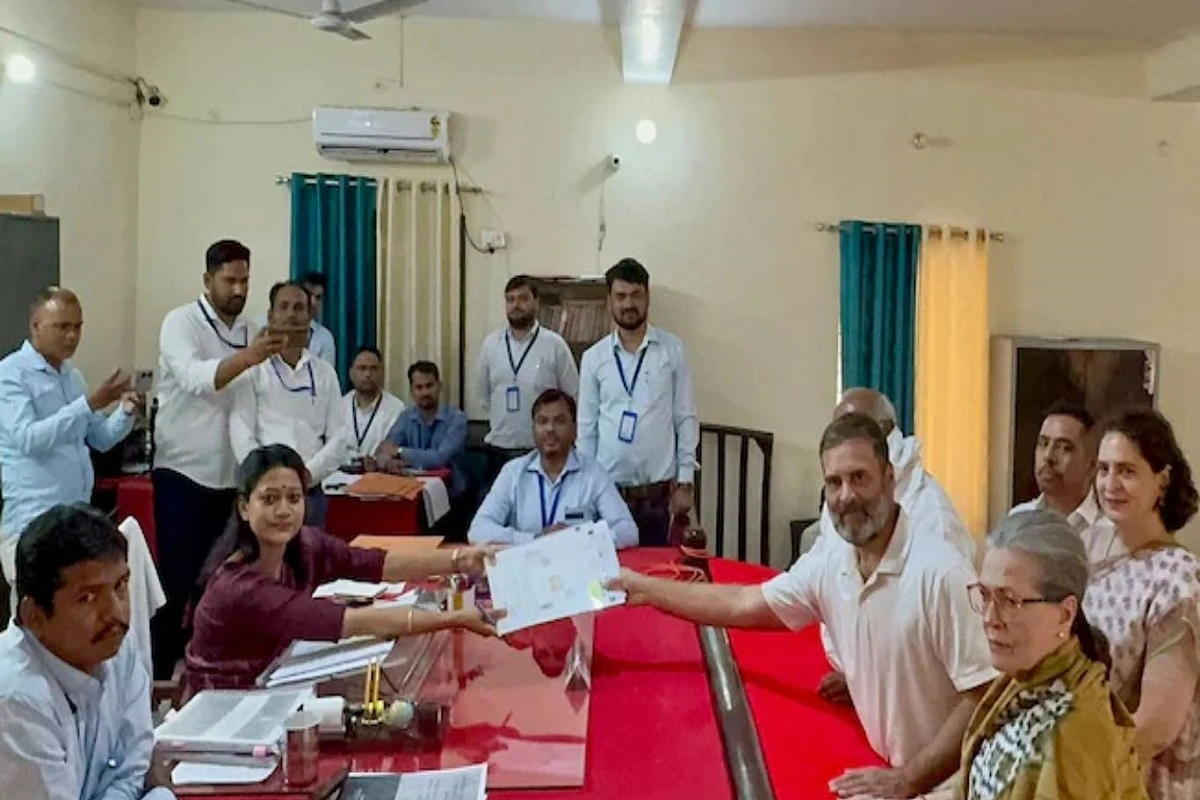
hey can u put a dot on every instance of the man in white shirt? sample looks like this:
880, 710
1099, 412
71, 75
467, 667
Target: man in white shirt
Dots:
293, 399
930, 510
371, 410
321, 342
896, 607
637, 413
204, 346
1065, 467
516, 364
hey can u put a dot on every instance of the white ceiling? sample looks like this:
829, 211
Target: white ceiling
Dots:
1141, 19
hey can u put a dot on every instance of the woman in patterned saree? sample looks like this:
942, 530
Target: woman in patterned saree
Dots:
1146, 602
1048, 728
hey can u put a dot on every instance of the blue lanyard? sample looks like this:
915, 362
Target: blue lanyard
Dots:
516, 365
312, 381
629, 385
424, 435
354, 413
212, 323
548, 520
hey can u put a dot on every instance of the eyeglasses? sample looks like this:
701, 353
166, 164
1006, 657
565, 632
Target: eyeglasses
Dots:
1005, 602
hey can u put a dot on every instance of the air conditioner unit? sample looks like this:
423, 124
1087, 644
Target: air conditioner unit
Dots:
382, 134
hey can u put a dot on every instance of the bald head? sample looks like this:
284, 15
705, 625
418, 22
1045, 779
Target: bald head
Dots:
55, 324
873, 404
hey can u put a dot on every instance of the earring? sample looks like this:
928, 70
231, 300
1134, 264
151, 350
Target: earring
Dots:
1062, 634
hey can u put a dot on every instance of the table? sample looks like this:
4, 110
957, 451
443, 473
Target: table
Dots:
652, 732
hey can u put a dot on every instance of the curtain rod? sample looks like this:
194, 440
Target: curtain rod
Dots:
426, 186
960, 233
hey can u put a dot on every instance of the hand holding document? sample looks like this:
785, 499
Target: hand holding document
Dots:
555, 576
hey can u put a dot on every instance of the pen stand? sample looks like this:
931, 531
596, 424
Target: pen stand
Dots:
420, 724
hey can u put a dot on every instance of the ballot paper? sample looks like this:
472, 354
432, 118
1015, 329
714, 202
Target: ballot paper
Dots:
463, 783
555, 576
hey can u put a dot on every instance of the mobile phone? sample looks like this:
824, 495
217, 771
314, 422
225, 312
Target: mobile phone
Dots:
143, 381
296, 337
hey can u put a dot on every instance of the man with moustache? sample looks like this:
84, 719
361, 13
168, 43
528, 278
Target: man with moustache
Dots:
1065, 467
516, 364
896, 608
552, 488
637, 413
48, 419
204, 347
371, 410
75, 699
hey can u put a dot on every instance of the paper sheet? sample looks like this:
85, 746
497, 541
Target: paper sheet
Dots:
555, 576
344, 587
190, 773
464, 783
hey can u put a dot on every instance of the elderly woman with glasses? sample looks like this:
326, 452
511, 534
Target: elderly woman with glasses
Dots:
1049, 728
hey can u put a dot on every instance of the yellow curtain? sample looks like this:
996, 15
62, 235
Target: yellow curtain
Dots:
952, 366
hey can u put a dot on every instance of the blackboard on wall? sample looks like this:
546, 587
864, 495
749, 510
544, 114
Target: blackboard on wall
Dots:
28, 264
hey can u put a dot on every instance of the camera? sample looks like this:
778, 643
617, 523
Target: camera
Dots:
154, 97
613, 162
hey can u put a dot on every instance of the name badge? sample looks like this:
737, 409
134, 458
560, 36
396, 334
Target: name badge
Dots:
575, 516
628, 426
512, 399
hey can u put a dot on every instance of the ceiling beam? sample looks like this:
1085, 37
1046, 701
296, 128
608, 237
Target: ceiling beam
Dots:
650, 32
1173, 71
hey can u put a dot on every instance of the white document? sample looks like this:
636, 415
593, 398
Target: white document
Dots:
188, 772
555, 576
312, 662
363, 590
464, 783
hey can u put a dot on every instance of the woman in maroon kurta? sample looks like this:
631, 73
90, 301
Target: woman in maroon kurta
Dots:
258, 583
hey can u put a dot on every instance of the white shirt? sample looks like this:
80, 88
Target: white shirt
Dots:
666, 430
366, 428
1099, 535
907, 638
299, 407
540, 361
190, 431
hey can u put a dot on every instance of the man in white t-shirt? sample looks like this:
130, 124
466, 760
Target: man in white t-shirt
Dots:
205, 346
294, 399
895, 604
1064, 463
371, 410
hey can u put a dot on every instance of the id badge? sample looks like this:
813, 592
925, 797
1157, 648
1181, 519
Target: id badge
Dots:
628, 426
575, 516
512, 399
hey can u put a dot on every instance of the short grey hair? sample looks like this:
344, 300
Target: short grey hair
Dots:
879, 409
1049, 540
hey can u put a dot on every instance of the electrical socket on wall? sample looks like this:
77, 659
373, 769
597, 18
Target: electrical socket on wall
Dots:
492, 240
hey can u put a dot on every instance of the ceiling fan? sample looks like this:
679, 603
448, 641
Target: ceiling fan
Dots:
332, 19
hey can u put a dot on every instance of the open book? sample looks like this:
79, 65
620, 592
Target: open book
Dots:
230, 727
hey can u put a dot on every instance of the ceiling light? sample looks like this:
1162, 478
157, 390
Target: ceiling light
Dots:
19, 69
646, 131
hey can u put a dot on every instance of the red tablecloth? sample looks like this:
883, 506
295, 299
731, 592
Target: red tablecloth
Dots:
653, 734
806, 741
349, 517
134, 498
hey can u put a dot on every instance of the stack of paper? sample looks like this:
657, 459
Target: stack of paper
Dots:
357, 590
464, 783
237, 728
313, 662
555, 576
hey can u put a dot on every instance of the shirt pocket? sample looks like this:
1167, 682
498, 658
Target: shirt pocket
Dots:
47, 394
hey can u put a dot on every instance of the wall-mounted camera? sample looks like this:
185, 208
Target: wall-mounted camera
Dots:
147, 93
613, 161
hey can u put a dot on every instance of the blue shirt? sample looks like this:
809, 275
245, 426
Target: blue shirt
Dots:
655, 410
524, 501
46, 426
321, 343
68, 735
434, 445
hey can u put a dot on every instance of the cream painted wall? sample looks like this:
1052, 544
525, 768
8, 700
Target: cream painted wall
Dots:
763, 134
82, 154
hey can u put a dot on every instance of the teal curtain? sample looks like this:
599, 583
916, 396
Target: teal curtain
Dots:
879, 309
333, 233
